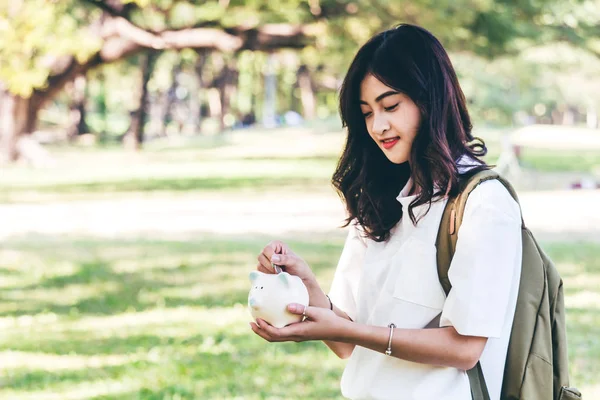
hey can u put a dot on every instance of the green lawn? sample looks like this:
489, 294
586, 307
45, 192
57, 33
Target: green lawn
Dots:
250, 162
100, 319
93, 318
148, 320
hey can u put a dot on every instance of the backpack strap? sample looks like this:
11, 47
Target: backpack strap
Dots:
446, 246
452, 219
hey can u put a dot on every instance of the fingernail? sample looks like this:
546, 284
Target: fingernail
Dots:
275, 258
292, 307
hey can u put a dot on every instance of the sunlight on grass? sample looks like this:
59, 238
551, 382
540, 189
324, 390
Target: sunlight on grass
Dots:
52, 362
152, 319
242, 161
189, 345
84, 390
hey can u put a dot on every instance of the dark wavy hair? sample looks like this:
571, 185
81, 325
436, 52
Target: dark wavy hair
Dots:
411, 60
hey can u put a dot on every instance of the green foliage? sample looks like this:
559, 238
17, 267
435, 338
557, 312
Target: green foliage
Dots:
34, 34
511, 55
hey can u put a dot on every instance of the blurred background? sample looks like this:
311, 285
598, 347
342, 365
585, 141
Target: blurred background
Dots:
151, 148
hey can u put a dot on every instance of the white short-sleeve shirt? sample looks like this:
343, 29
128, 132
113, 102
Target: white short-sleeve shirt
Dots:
397, 281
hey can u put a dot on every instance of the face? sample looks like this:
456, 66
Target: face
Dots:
392, 118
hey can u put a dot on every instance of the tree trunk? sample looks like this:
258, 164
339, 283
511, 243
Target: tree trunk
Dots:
227, 86
269, 118
307, 93
135, 135
170, 98
18, 117
101, 107
195, 102
77, 124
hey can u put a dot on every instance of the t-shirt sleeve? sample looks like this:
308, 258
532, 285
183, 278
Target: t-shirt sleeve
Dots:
344, 287
487, 257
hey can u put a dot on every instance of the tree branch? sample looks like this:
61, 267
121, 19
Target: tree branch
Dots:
114, 7
123, 39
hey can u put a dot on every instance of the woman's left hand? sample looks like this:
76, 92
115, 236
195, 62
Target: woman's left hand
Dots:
320, 324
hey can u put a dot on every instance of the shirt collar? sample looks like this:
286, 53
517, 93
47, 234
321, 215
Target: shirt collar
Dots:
463, 165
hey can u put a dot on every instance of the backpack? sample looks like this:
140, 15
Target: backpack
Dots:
536, 363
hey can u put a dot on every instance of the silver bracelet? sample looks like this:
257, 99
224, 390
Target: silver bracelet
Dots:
388, 351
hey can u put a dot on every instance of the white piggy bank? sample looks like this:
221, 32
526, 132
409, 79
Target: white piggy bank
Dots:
271, 293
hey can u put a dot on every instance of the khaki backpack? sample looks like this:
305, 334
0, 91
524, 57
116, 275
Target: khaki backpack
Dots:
536, 363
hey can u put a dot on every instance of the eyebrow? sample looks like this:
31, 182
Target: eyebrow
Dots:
382, 96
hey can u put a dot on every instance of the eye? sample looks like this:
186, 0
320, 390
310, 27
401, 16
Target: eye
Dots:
367, 114
391, 108
261, 287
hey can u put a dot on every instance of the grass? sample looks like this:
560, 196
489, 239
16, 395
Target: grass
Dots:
147, 319
561, 161
162, 319
85, 317
252, 162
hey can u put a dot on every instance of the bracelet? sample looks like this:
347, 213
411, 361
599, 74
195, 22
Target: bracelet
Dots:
330, 303
388, 351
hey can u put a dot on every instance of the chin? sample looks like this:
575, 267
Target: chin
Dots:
397, 160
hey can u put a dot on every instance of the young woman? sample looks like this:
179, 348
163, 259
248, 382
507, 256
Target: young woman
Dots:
409, 145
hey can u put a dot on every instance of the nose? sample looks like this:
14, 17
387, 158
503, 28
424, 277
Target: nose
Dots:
252, 302
380, 124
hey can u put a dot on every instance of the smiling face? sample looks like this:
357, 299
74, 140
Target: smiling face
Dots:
392, 118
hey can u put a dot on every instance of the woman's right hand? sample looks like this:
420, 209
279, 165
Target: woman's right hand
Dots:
279, 253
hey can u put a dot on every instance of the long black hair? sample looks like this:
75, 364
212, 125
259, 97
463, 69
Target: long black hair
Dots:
411, 60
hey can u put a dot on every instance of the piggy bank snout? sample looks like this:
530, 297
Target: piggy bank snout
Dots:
257, 296
252, 302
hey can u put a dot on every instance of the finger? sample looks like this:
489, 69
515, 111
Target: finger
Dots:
260, 268
301, 309
260, 332
269, 331
272, 248
296, 308
275, 247
266, 263
284, 260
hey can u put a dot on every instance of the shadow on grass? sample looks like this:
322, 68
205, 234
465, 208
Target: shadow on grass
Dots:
207, 273
128, 295
251, 368
194, 361
86, 345
174, 185
39, 379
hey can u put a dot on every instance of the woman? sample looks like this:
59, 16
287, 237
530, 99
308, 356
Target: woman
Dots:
409, 145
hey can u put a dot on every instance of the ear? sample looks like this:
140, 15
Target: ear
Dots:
284, 277
254, 276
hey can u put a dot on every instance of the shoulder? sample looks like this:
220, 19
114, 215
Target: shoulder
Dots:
357, 234
492, 196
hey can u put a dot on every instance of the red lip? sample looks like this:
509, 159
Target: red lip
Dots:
389, 145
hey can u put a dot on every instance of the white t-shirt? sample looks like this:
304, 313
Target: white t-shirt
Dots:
397, 281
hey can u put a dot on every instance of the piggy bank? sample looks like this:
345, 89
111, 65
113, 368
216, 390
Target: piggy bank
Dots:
271, 293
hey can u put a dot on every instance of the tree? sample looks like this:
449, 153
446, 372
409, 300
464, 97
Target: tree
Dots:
48, 44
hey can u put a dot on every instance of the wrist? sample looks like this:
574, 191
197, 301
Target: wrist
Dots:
311, 282
346, 331
317, 297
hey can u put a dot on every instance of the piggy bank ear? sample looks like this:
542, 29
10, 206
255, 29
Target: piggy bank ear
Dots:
254, 276
285, 278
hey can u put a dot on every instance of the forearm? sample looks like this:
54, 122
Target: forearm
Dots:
319, 299
438, 346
